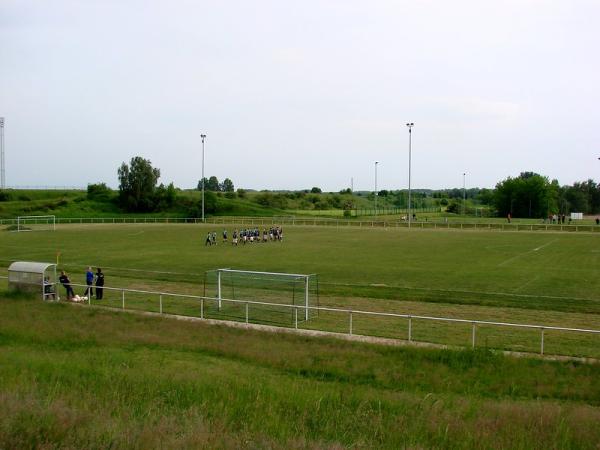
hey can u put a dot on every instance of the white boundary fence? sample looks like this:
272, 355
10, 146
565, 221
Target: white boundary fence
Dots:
307, 221
350, 314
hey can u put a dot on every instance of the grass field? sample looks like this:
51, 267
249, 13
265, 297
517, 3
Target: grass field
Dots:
74, 377
541, 278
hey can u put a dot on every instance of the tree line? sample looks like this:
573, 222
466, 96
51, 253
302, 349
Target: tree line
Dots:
527, 195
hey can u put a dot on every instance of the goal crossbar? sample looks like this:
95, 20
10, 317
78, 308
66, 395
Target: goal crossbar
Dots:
22, 221
282, 274
294, 276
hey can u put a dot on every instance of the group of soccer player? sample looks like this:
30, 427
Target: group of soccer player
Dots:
247, 235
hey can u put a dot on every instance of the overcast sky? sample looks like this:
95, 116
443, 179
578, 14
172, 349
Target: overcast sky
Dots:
295, 94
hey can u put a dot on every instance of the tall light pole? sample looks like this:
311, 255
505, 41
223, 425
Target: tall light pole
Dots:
2, 170
409, 125
376, 195
203, 136
464, 195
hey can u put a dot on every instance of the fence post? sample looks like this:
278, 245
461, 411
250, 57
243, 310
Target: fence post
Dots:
296, 317
542, 342
473, 335
350, 329
160, 301
202, 308
409, 328
246, 312
122, 299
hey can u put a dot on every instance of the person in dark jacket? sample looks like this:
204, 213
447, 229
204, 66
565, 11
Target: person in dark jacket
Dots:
99, 284
64, 280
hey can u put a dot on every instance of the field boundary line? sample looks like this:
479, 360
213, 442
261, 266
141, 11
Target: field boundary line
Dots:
526, 253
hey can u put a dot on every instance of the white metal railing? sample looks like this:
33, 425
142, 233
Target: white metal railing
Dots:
320, 221
350, 313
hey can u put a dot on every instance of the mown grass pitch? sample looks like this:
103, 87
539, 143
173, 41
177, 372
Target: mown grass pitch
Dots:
541, 278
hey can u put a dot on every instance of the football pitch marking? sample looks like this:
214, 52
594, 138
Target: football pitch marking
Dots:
527, 283
527, 252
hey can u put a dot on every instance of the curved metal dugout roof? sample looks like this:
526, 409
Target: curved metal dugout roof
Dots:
29, 267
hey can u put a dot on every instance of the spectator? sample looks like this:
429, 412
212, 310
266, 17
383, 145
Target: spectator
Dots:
64, 280
99, 284
89, 280
48, 289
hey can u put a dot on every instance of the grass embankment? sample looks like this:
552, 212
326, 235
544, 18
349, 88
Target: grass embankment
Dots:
78, 204
76, 377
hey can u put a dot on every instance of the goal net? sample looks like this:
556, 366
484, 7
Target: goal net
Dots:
285, 297
36, 223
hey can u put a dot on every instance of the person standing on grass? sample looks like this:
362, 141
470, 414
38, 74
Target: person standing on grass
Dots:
64, 280
99, 284
89, 280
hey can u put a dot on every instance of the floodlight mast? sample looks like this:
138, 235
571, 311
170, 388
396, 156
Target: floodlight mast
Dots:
2, 168
409, 125
203, 136
376, 195
464, 195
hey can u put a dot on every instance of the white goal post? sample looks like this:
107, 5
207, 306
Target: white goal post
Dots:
248, 277
36, 223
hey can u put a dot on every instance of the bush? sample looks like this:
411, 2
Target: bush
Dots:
271, 201
5, 196
99, 192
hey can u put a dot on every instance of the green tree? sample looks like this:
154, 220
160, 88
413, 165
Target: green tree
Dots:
227, 185
316, 190
137, 184
213, 184
200, 183
583, 196
528, 195
165, 196
486, 196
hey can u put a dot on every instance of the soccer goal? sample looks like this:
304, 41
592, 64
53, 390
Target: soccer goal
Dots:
36, 223
291, 295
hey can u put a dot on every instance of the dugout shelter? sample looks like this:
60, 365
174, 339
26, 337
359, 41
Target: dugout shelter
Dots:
30, 276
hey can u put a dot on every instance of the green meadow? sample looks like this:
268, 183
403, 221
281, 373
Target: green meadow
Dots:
78, 377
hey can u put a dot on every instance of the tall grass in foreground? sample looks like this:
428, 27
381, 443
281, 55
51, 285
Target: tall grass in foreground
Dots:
87, 378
